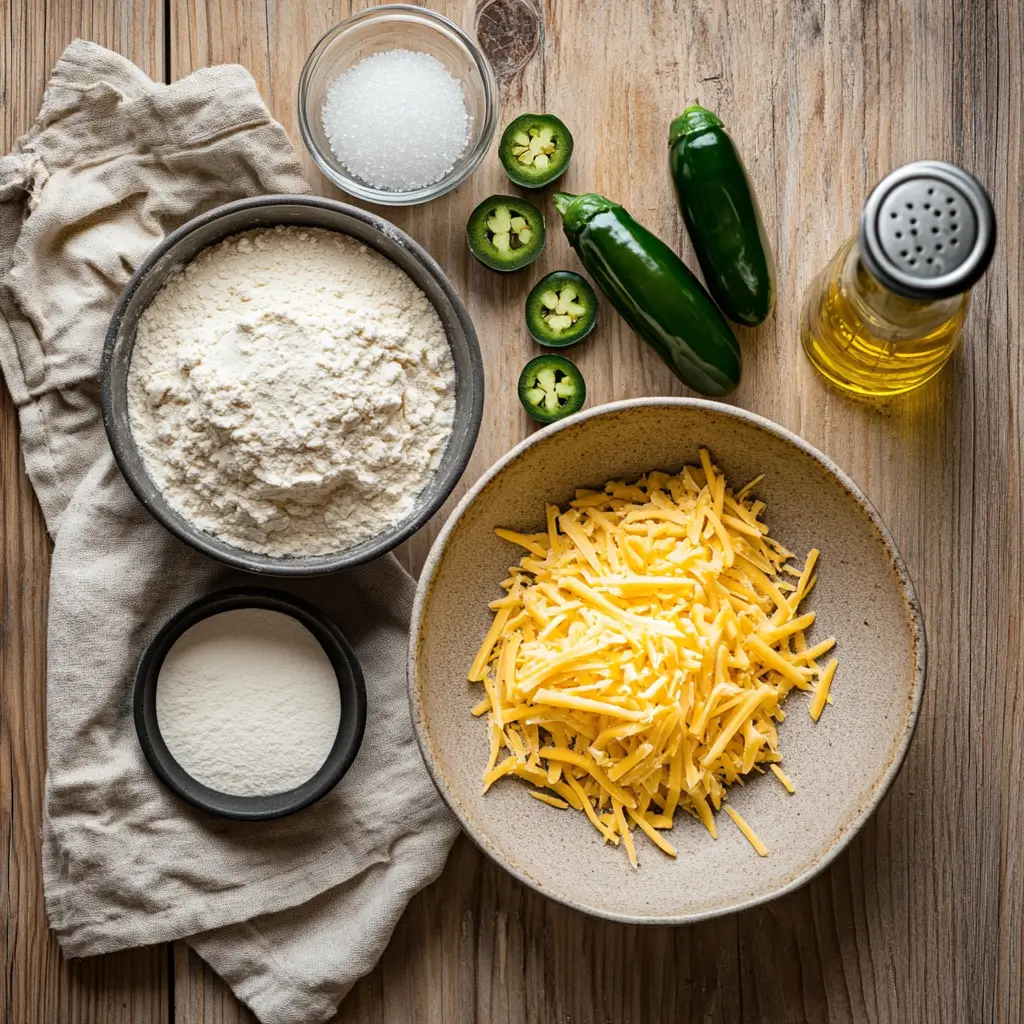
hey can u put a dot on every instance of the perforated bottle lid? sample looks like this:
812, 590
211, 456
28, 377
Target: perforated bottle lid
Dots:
927, 230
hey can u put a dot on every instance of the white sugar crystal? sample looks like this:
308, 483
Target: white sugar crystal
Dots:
397, 120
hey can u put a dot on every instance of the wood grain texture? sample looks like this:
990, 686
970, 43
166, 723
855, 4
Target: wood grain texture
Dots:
37, 986
920, 921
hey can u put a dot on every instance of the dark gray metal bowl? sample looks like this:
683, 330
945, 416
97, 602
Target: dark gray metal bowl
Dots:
184, 245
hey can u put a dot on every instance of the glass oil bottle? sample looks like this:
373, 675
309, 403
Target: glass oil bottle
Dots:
887, 312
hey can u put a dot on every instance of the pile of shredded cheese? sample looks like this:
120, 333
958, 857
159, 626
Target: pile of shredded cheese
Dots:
639, 660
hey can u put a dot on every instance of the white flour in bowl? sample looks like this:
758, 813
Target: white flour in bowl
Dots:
291, 391
248, 703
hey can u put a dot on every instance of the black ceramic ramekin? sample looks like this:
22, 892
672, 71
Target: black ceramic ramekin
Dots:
350, 728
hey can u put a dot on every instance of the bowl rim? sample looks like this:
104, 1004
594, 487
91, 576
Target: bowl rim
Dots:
351, 722
298, 566
449, 182
883, 783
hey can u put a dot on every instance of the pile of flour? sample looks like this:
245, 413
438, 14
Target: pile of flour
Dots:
291, 391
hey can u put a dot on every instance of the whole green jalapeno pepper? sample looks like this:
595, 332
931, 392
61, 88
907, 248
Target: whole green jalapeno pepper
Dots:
654, 291
722, 216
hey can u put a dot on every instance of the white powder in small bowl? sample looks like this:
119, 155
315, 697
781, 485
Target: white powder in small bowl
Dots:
247, 702
397, 119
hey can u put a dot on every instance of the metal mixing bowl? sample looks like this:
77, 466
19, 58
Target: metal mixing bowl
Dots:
182, 246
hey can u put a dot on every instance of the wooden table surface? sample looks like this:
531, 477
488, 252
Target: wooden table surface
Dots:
920, 920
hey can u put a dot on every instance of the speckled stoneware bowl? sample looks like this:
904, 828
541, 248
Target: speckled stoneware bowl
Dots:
841, 767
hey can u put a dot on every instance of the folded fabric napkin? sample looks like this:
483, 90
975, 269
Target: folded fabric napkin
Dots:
289, 912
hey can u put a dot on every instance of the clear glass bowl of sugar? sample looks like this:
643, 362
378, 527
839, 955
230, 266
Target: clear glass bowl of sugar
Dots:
397, 105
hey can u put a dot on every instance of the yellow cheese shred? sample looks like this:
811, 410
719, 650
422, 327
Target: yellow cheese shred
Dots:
783, 778
638, 661
821, 690
748, 832
547, 798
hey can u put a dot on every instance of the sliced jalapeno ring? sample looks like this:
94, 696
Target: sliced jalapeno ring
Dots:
535, 149
561, 310
505, 232
551, 387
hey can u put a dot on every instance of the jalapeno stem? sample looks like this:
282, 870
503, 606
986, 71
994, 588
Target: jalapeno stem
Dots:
693, 119
562, 201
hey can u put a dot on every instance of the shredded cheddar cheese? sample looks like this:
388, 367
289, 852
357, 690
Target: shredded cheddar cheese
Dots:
748, 832
638, 662
821, 691
783, 778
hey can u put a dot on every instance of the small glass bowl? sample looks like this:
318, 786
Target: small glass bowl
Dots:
390, 27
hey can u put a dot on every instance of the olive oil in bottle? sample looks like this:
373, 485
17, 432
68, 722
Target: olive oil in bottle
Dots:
886, 313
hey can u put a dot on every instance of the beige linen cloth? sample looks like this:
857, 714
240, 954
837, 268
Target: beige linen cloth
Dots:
289, 912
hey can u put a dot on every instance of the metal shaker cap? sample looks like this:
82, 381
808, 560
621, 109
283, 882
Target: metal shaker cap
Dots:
927, 230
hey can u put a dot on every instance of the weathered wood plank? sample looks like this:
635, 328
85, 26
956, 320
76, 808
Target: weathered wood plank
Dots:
37, 986
199, 994
986, 672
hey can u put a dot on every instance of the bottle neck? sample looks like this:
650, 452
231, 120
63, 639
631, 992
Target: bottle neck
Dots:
884, 309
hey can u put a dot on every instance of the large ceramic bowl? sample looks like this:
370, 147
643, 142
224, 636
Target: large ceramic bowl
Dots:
842, 766
182, 246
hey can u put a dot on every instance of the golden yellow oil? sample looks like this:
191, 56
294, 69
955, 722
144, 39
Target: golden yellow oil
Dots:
870, 341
